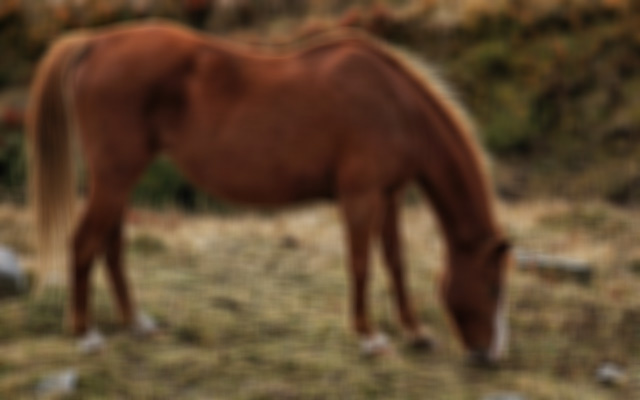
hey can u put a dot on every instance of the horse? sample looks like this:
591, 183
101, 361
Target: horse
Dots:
342, 117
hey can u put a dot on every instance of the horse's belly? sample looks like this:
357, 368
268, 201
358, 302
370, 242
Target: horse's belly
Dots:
268, 192
257, 181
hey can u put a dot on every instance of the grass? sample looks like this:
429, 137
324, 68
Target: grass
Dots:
254, 307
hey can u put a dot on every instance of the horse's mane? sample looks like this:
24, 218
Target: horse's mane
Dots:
422, 73
427, 76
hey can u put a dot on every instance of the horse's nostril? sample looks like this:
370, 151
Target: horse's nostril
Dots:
481, 359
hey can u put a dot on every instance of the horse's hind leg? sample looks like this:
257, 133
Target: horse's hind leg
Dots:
140, 323
394, 261
361, 213
112, 176
102, 216
115, 271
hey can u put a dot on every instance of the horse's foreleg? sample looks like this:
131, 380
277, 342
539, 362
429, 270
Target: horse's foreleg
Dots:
361, 217
394, 261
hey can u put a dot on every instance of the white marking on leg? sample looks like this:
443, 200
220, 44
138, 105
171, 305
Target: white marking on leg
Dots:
500, 342
92, 342
144, 325
377, 343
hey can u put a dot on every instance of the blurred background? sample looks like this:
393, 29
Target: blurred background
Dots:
253, 304
552, 83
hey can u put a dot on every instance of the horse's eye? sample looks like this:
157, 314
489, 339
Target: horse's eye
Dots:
495, 291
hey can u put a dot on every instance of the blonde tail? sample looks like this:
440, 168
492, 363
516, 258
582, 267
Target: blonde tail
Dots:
52, 181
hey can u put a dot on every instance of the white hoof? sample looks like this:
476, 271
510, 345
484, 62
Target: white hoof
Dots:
144, 325
375, 344
92, 342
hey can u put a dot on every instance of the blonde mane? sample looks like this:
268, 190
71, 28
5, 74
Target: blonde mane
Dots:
430, 77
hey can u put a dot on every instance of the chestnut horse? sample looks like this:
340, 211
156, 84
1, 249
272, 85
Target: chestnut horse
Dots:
344, 117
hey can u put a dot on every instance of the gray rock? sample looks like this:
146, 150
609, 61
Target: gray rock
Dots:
562, 268
504, 396
13, 280
611, 374
61, 383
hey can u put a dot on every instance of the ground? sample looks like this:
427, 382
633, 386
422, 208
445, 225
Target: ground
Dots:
253, 306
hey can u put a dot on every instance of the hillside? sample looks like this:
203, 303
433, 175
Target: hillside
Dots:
552, 84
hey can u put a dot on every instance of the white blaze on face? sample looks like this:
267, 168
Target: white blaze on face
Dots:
500, 340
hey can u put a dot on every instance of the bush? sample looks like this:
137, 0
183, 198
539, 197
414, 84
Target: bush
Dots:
163, 186
13, 166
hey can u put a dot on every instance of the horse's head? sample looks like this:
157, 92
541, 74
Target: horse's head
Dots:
474, 292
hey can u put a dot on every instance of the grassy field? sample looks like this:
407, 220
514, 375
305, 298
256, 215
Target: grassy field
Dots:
253, 306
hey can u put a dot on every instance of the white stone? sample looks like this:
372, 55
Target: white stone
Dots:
59, 384
13, 280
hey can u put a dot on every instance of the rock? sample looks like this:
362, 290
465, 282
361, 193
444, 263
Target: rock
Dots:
611, 374
555, 267
13, 280
144, 325
61, 383
504, 396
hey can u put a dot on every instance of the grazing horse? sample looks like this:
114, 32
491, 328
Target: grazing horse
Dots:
343, 117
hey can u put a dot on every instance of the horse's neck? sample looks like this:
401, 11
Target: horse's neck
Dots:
455, 180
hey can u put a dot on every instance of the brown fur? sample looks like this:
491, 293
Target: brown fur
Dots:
343, 118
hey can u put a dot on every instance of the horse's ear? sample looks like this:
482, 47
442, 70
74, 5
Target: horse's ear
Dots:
500, 249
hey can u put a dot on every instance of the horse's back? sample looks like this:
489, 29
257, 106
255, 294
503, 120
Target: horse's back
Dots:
256, 127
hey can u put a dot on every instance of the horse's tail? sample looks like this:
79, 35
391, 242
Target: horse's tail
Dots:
52, 181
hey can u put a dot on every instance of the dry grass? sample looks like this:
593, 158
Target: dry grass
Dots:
254, 307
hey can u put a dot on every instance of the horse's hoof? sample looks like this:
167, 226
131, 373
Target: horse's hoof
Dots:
421, 340
375, 345
144, 325
92, 342
482, 360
